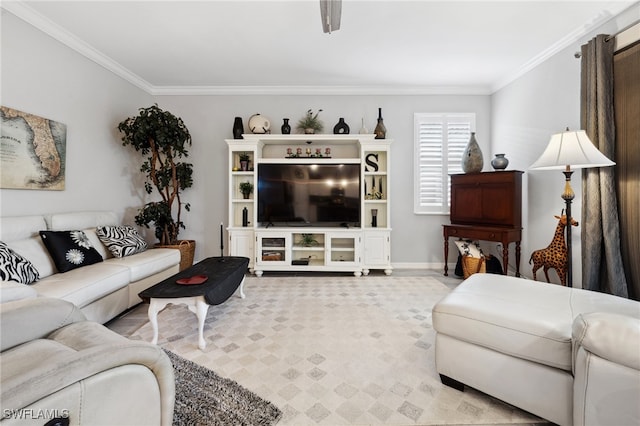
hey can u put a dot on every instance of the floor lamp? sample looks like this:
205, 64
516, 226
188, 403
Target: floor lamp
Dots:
568, 151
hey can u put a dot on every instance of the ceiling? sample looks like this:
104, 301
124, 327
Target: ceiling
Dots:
266, 46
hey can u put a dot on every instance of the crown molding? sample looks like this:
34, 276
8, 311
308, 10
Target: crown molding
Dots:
318, 90
37, 20
568, 40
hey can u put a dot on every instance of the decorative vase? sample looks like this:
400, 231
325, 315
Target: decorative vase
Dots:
500, 162
380, 130
238, 128
472, 161
245, 217
363, 129
341, 128
285, 128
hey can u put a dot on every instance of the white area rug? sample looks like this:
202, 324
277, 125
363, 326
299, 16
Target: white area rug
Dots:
335, 350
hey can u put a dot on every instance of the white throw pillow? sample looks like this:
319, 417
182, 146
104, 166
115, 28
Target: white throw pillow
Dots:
469, 248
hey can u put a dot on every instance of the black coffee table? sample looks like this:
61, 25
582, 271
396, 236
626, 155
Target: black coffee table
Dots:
224, 275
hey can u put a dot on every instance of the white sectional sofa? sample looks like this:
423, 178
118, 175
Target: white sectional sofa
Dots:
101, 290
568, 355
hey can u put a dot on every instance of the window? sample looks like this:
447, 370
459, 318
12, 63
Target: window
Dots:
440, 140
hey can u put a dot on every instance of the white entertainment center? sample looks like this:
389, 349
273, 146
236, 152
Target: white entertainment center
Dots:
356, 246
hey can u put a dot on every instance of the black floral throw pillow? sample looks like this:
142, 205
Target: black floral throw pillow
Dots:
70, 249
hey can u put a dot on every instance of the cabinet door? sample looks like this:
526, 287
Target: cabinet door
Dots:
343, 249
273, 249
241, 244
377, 249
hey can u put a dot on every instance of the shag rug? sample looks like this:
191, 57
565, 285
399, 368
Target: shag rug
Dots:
204, 398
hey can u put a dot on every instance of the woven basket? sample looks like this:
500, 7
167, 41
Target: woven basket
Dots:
473, 265
187, 250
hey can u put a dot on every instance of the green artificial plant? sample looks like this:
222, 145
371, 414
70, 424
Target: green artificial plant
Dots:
163, 139
310, 123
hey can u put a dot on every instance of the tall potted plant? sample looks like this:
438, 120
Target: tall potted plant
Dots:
162, 139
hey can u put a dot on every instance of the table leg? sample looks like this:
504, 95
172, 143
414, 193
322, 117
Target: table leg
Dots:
517, 258
241, 289
505, 257
202, 307
155, 306
446, 256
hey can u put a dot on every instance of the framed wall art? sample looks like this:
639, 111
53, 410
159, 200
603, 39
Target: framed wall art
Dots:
32, 151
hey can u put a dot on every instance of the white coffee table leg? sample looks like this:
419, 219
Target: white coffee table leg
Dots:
155, 306
202, 307
241, 289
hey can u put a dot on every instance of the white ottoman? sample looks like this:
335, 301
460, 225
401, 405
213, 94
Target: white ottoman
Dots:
511, 338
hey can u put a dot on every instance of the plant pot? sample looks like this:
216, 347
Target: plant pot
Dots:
309, 131
245, 195
187, 250
244, 165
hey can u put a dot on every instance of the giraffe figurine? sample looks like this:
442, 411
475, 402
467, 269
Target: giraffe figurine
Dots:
555, 255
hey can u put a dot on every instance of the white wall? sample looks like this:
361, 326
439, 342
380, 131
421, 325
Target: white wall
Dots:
42, 77
416, 239
524, 116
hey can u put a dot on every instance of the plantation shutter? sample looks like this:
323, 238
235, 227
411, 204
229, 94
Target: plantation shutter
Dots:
440, 140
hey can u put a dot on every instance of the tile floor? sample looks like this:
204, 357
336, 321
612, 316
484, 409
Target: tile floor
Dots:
331, 349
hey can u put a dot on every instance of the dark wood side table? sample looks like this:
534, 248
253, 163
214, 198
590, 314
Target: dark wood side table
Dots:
473, 232
486, 206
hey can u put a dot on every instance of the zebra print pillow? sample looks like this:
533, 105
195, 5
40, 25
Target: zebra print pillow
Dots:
121, 241
14, 267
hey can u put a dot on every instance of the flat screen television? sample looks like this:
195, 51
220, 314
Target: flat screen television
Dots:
309, 194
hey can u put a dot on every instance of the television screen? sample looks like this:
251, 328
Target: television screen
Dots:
309, 194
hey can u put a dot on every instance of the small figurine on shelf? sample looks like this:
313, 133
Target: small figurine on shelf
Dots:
244, 161
327, 151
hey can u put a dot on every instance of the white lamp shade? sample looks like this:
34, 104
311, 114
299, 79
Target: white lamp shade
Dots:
571, 148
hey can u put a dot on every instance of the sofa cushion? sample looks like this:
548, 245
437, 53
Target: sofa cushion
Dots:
83, 286
70, 249
14, 267
122, 241
148, 263
80, 220
33, 249
11, 290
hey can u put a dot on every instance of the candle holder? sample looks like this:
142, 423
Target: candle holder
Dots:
374, 218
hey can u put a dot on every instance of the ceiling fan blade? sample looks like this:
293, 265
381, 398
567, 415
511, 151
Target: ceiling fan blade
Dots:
330, 12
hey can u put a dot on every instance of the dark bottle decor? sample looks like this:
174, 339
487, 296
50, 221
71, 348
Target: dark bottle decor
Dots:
238, 128
245, 217
341, 128
500, 162
374, 218
285, 128
472, 161
380, 130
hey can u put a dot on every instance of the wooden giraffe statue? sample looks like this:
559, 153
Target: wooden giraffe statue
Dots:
555, 255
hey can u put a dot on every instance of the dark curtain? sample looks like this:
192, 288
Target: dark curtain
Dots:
602, 268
